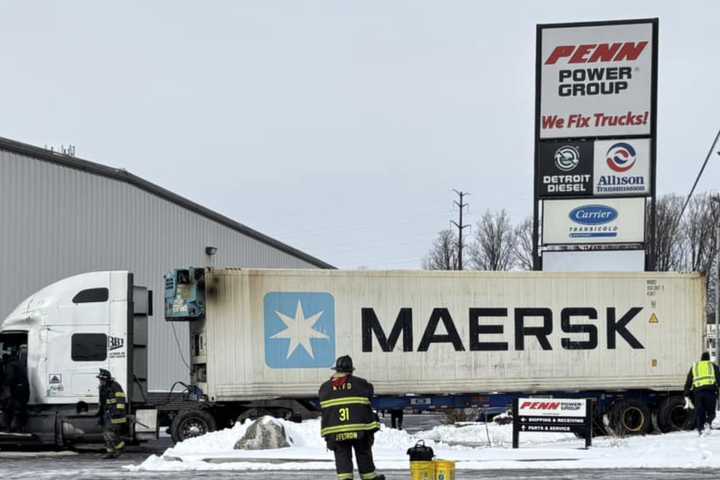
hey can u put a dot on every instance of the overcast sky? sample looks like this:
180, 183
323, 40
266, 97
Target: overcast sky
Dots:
337, 127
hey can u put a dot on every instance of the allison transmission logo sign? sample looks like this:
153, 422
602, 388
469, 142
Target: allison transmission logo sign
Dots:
618, 220
622, 167
621, 157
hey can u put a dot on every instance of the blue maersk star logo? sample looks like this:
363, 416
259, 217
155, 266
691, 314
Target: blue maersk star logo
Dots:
299, 329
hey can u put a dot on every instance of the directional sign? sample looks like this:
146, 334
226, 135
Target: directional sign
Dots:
547, 428
552, 415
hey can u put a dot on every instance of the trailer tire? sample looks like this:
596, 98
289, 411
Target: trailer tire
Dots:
673, 417
630, 417
191, 423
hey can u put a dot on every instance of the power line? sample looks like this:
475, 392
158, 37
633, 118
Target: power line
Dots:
460, 226
697, 179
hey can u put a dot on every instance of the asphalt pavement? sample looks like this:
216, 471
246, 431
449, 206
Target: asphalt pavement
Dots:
89, 465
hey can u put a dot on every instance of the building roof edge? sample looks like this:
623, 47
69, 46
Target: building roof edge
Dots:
129, 178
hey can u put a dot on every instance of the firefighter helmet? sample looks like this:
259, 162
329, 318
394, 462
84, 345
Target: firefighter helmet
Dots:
344, 364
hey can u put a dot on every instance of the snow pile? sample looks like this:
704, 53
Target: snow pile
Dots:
486, 435
466, 444
213, 442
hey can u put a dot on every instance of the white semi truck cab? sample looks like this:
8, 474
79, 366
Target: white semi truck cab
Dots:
69, 330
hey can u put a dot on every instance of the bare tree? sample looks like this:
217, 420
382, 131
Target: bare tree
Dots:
669, 251
714, 274
699, 228
524, 245
443, 254
713, 282
493, 246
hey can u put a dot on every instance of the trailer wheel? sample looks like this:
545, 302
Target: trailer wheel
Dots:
630, 417
672, 416
191, 423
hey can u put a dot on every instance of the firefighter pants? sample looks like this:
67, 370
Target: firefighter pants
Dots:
705, 401
363, 455
110, 434
14, 415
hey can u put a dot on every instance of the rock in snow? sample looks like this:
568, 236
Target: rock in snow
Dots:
263, 434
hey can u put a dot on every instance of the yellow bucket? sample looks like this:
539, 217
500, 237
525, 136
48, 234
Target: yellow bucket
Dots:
444, 469
422, 470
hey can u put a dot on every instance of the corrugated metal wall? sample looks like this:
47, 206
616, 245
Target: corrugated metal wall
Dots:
57, 221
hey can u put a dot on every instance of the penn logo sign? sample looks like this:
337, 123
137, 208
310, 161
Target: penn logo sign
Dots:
551, 408
603, 52
596, 80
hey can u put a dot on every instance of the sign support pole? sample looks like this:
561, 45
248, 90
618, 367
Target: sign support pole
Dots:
588, 423
516, 424
537, 265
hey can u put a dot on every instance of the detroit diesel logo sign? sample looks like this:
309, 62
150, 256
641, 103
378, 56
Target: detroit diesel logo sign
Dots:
567, 158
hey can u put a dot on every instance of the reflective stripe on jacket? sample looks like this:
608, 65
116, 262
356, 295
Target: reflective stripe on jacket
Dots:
113, 403
346, 408
703, 374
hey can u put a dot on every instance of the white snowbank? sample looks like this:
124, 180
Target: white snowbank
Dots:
468, 445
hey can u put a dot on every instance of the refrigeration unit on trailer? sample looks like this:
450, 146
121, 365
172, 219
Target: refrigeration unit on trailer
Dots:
446, 339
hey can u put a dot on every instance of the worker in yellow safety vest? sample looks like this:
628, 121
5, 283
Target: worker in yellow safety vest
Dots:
703, 381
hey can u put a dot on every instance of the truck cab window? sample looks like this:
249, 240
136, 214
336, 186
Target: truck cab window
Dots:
91, 295
89, 347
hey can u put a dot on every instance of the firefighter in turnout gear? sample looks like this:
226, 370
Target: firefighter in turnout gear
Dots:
112, 413
703, 380
348, 421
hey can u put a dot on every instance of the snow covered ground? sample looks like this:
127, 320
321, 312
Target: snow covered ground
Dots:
473, 446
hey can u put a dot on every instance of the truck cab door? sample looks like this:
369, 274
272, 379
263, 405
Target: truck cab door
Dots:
73, 359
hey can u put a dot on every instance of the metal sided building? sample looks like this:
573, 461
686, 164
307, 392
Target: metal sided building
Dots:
60, 216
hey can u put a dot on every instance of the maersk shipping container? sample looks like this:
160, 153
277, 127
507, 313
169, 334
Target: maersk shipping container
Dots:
276, 333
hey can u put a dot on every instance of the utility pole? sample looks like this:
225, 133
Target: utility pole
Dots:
460, 226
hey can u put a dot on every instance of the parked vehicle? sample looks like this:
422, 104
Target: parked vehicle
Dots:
71, 329
262, 341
